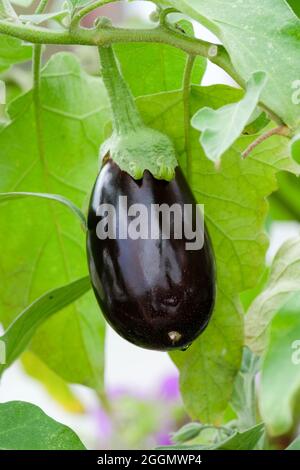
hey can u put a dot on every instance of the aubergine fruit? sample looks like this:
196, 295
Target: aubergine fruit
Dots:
154, 292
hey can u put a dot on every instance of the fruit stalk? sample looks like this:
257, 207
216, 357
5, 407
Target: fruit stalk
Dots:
125, 115
132, 145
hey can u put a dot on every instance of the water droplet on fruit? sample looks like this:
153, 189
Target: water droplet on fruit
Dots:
185, 348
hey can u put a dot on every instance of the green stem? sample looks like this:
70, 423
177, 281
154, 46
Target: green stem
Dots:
283, 131
187, 113
36, 70
41, 7
126, 117
88, 9
108, 36
105, 402
36, 67
133, 146
164, 14
36, 73
94, 37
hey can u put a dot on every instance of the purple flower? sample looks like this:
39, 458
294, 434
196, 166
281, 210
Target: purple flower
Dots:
163, 439
104, 424
169, 389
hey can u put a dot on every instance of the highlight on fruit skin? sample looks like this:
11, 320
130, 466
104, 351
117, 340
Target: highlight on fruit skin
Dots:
155, 293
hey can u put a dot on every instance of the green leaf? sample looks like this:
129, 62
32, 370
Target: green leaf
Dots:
43, 246
74, 4
4, 197
19, 334
235, 211
55, 386
26, 427
42, 17
258, 36
280, 376
295, 148
221, 128
243, 399
258, 121
295, 445
160, 66
6, 10
295, 5
283, 281
12, 51
246, 440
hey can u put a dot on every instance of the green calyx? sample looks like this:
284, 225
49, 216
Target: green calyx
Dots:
133, 146
140, 150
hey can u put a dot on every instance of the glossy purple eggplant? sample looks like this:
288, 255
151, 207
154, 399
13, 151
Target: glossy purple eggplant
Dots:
154, 292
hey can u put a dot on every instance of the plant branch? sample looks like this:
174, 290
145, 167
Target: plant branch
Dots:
41, 7
161, 34
281, 130
126, 117
165, 13
187, 113
107, 36
36, 72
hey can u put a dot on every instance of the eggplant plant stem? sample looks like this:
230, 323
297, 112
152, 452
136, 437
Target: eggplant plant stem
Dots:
126, 117
187, 113
91, 6
161, 34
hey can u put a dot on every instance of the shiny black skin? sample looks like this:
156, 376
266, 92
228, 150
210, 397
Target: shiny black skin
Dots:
154, 293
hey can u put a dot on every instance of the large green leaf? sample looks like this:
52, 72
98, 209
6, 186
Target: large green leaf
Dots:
43, 246
295, 4
259, 36
13, 51
280, 378
283, 281
20, 332
222, 127
235, 210
24, 426
152, 68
